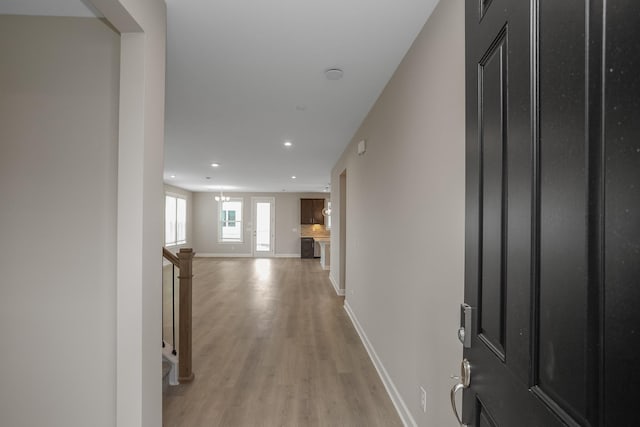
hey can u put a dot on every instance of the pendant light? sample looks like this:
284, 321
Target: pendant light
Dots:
327, 211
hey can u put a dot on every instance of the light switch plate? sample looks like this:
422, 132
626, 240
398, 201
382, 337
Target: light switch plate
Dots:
362, 147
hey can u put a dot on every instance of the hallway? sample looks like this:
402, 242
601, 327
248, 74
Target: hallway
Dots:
273, 346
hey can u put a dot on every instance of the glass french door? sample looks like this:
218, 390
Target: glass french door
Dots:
263, 226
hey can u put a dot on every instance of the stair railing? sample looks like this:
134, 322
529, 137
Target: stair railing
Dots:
183, 262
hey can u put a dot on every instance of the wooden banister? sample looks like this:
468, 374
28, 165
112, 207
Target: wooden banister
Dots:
185, 261
171, 257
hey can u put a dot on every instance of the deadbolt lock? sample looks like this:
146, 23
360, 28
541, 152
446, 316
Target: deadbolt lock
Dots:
466, 320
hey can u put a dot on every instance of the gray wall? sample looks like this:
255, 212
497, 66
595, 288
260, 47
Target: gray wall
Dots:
287, 238
405, 220
59, 80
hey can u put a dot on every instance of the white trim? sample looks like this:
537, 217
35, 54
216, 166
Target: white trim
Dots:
399, 404
231, 255
174, 194
138, 309
131, 299
339, 291
222, 255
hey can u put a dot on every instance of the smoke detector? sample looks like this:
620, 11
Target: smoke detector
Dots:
333, 74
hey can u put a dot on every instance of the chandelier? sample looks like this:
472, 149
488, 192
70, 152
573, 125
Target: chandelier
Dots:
222, 197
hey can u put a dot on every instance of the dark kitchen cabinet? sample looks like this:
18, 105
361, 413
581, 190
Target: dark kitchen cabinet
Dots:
306, 211
306, 247
311, 211
318, 206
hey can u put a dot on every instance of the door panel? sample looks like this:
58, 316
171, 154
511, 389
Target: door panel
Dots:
484, 419
530, 208
553, 212
484, 6
499, 208
621, 182
492, 86
562, 344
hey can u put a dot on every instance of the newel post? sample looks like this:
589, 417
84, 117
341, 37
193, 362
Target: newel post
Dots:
185, 373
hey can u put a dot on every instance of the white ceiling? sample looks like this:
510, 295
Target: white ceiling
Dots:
239, 73
244, 76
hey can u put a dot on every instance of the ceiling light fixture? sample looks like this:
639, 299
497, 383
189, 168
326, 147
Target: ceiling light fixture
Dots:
215, 165
333, 73
222, 197
172, 176
288, 144
293, 177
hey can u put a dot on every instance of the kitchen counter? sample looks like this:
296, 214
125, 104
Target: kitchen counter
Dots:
325, 251
322, 239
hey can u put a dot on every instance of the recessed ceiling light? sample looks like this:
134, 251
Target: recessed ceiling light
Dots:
333, 74
288, 143
215, 165
293, 177
173, 176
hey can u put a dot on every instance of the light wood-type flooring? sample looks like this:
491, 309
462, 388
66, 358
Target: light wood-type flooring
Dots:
273, 346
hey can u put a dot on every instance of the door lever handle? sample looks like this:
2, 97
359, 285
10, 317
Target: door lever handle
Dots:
454, 390
464, 382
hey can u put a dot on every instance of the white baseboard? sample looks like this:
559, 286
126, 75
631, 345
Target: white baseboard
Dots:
223, 255
335, 286
399, 404
286, 256
230, 255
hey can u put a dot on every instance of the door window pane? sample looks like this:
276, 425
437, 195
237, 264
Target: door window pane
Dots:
263, 227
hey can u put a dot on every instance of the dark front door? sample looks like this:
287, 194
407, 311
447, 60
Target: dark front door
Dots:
553, 212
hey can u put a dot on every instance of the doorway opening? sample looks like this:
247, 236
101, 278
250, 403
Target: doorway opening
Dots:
343, 231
